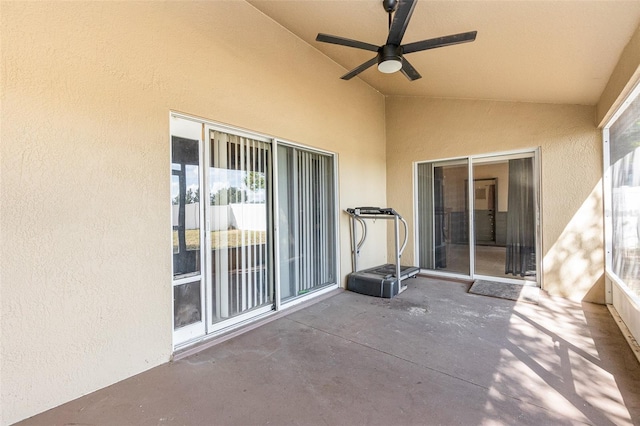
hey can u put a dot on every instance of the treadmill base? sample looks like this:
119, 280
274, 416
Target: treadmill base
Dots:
380, 281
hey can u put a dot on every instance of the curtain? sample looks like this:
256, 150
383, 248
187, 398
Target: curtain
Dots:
521, 229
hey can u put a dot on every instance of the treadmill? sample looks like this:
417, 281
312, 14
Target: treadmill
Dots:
384, 280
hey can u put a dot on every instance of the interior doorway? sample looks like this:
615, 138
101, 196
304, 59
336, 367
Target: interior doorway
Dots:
484, 204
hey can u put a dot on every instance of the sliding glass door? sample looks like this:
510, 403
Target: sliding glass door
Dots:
476, 217
443, 218
254, 226
238, 220
306, 207
504, 212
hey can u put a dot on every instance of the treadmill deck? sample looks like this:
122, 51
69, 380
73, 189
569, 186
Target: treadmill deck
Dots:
380, 281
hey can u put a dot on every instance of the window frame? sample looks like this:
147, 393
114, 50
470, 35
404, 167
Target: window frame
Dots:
611, 277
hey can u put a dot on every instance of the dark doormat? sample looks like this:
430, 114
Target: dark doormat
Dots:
518, 292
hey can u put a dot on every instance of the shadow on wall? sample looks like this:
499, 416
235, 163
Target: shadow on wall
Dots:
574, 265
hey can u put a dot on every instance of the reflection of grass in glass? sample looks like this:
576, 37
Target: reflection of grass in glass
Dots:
221, 239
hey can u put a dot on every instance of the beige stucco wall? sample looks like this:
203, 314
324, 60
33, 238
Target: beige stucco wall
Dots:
421, 129
624, 77
85, 217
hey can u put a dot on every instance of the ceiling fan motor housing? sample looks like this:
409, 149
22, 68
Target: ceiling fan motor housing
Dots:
389, 58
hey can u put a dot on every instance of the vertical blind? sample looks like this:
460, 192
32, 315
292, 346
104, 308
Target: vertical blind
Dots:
307, 221
239, 196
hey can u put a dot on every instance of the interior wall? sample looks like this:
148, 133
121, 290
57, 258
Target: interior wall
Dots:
458, 202
500, 172
420, 129
85, 218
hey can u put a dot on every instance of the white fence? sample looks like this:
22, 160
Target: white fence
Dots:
233, 216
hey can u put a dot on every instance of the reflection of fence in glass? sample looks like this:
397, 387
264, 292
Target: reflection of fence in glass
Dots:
241, 224
232, 216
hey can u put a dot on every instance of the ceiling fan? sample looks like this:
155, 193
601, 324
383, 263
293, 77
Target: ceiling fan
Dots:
390, 57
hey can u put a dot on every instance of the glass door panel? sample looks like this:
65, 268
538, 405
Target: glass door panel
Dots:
238, 215
443, 225
306, 206
505, 211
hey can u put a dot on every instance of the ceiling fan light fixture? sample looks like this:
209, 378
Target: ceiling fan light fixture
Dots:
390, 60
390, 66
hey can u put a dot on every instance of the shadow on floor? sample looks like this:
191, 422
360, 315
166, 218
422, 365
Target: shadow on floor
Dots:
432, 355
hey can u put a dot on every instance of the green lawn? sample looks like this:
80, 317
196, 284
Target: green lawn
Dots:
222, 239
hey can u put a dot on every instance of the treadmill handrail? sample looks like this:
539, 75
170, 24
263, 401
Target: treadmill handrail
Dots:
406, 234
364, 234
360, 213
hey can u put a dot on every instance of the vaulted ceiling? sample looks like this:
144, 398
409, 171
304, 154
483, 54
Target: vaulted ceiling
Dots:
559, 51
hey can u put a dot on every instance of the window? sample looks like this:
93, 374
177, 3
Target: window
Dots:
623, 200
621, 152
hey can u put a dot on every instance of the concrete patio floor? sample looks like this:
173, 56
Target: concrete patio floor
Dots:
433, 355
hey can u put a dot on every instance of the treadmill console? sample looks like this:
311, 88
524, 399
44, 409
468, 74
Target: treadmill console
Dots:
372, 211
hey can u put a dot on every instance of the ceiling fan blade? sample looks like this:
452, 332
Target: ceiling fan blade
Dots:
359, 69
326, 38
409, 71
400, 21
439, 42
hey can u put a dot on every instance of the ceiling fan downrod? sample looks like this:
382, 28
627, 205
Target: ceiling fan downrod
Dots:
390, 6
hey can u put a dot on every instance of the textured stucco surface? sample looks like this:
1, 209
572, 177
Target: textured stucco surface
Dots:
421, 129
86, 89
86, 92
622, 80
558, 52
